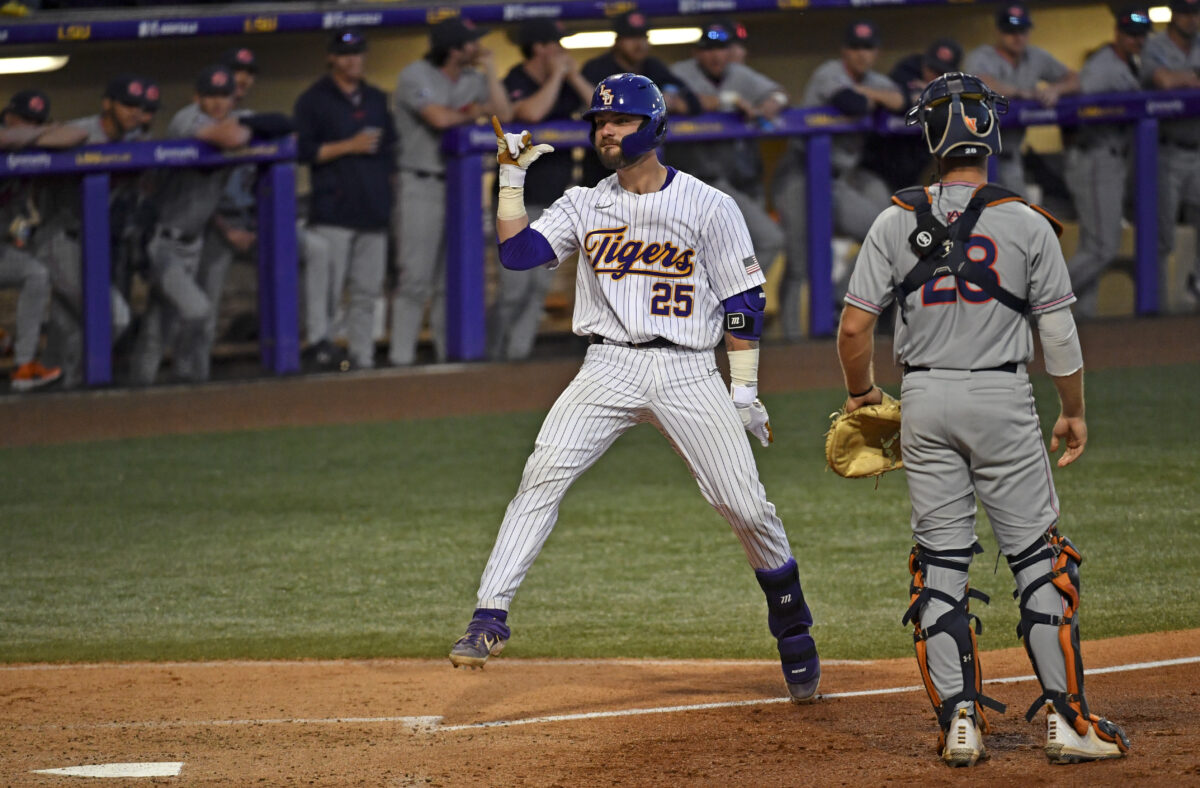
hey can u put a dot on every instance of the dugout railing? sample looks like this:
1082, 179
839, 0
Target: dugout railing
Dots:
278, 294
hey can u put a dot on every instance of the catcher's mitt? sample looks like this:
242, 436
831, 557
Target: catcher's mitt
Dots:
866, 442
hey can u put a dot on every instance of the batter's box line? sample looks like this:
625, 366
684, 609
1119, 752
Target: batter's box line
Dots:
432, 724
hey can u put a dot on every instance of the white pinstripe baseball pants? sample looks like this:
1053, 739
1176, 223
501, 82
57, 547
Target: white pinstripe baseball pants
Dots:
683, 394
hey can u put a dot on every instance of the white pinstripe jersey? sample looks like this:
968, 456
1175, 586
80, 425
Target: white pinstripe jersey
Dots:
653, 265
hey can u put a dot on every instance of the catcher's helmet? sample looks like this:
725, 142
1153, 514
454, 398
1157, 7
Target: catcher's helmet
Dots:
958, 113
632, 94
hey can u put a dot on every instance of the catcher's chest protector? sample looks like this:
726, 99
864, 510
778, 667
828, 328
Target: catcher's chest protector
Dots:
942, 250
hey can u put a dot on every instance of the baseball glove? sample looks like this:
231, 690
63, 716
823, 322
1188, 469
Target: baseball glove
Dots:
866, 442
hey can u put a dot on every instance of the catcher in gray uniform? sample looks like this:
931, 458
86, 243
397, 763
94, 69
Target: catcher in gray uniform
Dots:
971, 266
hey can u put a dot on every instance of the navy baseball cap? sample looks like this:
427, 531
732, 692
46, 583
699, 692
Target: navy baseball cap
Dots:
152, 99
631, 24
215, 81
1185, 6
32, 105
1013, 18
347, 42
1134, 22
715, 35
862, 35
943, 56
454, 32
540, 31
127, 89
240, 59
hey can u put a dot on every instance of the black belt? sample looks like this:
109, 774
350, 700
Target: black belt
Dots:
1012, 367
1116, 150
596, 339
176, 235
1184, 145
441, 176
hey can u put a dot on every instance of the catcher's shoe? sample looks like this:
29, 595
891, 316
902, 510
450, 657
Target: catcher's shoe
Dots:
962, 742
1103, 739
483, 639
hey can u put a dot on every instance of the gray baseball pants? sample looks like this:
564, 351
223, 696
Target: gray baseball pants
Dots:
356, 263
62, 256
858, 197
178, 310
513, 320
20, 269
421, 263
1096, 178
1178, 182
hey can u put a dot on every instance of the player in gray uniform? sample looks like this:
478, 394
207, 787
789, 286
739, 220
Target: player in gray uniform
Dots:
733, 166
1098, 160
178, 308
666, 272
1171, 60
24, 123
58, 241
232, 229
453, 85
969, 426
852, 87
1019, 70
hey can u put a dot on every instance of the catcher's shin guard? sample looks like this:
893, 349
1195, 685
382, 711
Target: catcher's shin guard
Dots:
1047, 576
947, 569
789, 619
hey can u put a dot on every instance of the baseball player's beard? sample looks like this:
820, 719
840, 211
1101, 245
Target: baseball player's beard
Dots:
610, 159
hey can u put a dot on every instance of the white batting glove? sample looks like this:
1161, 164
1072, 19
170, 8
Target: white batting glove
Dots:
515, 152
753, 413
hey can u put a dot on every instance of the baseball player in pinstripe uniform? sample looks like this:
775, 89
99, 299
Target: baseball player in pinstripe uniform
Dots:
971, 265
667, 269
1098, 160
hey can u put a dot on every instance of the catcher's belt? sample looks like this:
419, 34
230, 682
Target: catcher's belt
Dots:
866, 442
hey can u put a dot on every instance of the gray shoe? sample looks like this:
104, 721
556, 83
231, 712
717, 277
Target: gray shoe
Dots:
473, 649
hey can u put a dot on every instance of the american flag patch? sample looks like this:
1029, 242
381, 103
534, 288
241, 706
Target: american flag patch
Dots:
751, 264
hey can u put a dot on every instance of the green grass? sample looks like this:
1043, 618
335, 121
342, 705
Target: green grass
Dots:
369, 540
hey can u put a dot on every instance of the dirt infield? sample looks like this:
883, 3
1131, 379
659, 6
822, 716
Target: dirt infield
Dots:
407, 722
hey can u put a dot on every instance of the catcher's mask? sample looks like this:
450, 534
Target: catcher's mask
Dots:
958, 113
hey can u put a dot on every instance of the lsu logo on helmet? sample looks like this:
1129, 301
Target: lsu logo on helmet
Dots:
606, 95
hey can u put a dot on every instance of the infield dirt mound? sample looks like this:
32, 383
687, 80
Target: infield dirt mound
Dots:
338, 723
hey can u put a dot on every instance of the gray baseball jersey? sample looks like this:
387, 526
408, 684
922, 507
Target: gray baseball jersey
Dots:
189, 196
1106, 72
1036, 65
1160, 52
830, 78
953, 324
658, 265
420, 84
738, 160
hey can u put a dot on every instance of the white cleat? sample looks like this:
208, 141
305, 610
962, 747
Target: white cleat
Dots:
964, 742
1065, 745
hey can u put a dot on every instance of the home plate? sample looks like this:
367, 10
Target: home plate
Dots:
162, 769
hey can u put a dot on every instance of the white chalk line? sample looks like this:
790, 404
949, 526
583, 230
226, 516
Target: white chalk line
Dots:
431, 724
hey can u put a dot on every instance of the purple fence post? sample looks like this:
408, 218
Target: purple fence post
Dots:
278, 290
1145, 272
465, 301
95, 248
820, 235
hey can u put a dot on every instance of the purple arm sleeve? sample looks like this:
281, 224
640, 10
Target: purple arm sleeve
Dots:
527, 249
